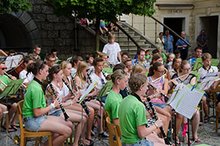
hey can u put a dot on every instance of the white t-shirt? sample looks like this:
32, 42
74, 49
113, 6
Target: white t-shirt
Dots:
73, 72
203, 72
27, 77
112, 51
100, 80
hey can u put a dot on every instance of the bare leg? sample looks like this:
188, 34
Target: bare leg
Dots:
96, 105
59, 127
179, 122
155, 139
80, 119
195, 124
205, 106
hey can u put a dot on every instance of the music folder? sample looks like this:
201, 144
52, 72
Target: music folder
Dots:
11, 88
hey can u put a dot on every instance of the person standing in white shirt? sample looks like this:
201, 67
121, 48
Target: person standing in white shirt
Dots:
113, 50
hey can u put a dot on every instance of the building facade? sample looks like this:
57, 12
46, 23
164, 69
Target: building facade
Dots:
190, 16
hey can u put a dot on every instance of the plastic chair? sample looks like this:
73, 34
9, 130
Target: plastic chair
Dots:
24, 134
114, 133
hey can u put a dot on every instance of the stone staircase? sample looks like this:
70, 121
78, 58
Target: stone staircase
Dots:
126, 44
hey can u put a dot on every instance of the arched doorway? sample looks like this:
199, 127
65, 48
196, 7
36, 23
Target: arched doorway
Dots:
18, 31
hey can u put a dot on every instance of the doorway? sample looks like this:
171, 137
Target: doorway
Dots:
176, 24
210, 25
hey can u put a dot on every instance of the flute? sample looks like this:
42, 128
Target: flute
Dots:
150, 106
66, 117
83, 103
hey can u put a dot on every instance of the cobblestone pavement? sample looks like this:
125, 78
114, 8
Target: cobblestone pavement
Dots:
206, 134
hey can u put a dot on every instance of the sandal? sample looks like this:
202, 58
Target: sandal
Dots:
196, 140
14, 127
90, 142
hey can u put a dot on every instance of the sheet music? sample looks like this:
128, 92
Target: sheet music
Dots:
87, 91
207, 82
185, 100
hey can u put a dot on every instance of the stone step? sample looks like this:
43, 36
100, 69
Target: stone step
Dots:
126, 42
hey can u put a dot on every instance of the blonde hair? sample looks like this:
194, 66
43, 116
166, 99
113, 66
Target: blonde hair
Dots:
64, 64
136, 81
138, 69
82, 65
206, 56
118, 75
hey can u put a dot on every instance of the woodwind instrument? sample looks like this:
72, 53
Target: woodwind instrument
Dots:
150, 106
83, 103
66, 117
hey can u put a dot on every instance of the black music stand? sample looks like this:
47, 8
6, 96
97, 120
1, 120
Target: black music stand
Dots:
11, 88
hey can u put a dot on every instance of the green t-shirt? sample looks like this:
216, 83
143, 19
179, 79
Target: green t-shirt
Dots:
112, 104
34, 98
132, 114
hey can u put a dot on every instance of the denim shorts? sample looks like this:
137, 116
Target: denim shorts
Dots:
33, 124
56, 113
163, 105
143, 142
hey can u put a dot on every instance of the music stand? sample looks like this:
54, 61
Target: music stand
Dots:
11, 88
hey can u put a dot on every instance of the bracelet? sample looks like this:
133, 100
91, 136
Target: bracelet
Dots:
156, 125
52, 106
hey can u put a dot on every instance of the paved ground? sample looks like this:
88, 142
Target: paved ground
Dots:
206, 133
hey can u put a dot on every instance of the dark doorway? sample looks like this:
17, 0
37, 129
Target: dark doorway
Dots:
177, 25
210, 25
13, 34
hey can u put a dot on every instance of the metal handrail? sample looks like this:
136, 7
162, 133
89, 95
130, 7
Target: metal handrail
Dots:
124, 31
170, 30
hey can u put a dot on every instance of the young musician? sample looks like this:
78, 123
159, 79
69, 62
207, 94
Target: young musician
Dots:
58, 88
35, 109
159, 87
186, 78
70, 80
82, 83
24, 74
120, 81
204, 72
132, 112
175, 66
9, 104
36, 53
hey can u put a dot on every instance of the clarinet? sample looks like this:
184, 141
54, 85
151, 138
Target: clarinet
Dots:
154, 116
83, 103
61, 106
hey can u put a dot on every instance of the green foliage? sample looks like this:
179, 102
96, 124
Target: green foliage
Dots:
8, 6
103, 9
